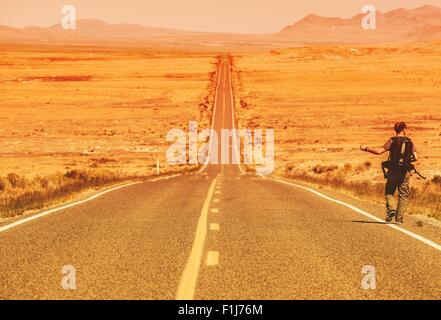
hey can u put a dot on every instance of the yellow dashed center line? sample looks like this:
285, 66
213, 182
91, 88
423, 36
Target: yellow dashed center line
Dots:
187, 284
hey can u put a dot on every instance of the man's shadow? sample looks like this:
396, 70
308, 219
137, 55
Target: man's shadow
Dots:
371, 222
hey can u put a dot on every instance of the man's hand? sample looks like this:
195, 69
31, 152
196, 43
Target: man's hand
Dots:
363, 147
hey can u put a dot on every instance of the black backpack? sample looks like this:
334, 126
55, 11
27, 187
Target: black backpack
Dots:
401, 154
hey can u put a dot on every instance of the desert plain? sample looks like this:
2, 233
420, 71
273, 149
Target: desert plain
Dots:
67, 108
323, 102
100, 115
76, 112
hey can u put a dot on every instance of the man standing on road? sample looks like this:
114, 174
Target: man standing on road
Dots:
402, 153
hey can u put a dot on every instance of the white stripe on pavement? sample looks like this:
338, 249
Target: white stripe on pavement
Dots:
216, 92
45, 213
236, 146
366, 214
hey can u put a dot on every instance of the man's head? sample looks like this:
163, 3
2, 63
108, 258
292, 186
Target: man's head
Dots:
400, 127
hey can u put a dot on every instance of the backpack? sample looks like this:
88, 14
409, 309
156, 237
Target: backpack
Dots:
401, 153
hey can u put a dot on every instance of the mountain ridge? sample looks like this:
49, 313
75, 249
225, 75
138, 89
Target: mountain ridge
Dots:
398, 25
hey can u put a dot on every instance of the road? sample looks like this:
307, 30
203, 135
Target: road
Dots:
220, 234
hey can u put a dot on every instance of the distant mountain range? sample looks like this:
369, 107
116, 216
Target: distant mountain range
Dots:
98, 32
400, 25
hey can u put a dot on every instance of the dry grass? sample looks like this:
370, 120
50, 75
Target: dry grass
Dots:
324, 101
19, 194
425, 198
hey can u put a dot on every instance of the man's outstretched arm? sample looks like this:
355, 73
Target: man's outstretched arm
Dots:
377, 151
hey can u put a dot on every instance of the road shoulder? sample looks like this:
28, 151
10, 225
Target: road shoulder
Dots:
427, 227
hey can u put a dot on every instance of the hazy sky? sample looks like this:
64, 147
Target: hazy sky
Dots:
244, 16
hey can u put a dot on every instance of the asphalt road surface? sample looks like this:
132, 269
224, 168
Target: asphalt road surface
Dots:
219, 234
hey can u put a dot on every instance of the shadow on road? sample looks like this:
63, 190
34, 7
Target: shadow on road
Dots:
374, 222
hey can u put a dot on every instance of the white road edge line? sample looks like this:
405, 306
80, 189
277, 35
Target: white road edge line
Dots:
358, 210
47, 212
223, 102
187, 283
236, 150
213, 118
165, 178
